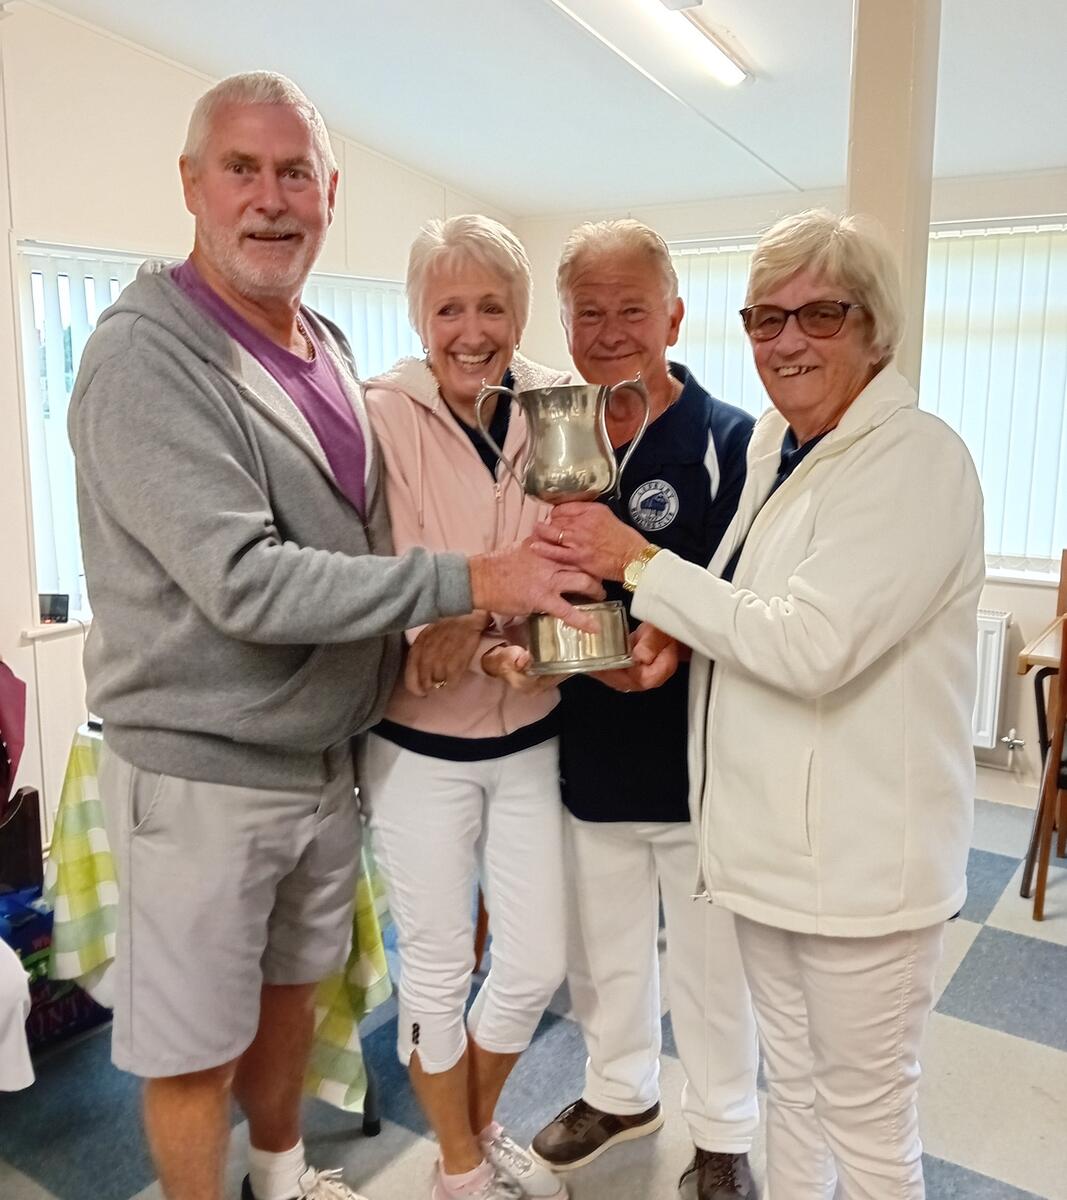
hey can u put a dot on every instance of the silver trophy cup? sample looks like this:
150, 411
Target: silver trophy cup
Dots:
569, 457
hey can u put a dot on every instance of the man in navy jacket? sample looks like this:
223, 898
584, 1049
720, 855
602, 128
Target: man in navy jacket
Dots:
623, 756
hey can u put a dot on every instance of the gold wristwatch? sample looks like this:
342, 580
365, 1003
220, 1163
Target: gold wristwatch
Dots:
635, 568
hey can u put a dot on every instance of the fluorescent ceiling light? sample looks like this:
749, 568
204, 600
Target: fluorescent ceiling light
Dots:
698, 41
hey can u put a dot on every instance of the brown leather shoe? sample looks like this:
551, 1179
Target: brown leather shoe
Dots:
582, 1133
719, 1177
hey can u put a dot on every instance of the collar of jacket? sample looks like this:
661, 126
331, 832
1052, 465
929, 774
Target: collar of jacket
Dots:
413, 377
888, 392
253, 381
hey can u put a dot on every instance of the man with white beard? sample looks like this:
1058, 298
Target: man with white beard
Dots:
247, 619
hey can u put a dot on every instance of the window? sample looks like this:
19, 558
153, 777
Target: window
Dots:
62, 291
61, 294
711, 280
994, 366
373, 315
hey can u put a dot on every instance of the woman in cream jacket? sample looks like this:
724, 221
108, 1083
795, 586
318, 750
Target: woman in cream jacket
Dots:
831, 692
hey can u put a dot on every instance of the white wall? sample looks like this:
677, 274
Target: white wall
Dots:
89, 144
993, 198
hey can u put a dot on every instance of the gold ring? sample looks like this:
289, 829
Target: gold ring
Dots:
439, 683
559, 540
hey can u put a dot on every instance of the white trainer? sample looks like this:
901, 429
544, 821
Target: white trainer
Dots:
325, 1185
537, 1181
492, 1184
314, 1185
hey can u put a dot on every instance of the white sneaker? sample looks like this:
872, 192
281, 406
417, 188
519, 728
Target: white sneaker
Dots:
325, 1185
537, 1182
494, 1184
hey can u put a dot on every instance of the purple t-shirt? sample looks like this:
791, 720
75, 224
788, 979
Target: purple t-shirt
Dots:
314, 387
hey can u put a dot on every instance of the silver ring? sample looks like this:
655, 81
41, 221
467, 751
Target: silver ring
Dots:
439, 683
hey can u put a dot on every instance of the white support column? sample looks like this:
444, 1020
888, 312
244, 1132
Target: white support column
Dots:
891, 139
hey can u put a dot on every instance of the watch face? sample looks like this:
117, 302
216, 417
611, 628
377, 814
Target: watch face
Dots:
631, 574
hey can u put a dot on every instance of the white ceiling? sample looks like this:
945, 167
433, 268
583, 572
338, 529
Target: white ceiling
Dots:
513, 101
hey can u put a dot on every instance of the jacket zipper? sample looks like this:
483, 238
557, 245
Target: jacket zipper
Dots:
700, 891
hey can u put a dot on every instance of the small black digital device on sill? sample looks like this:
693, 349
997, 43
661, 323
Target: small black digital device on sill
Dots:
55, 607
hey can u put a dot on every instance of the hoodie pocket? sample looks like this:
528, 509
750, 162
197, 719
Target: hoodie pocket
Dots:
809, 808
286, 691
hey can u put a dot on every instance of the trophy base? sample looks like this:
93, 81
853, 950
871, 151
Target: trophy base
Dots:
560, 649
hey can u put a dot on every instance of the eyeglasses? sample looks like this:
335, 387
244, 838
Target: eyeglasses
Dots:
817, 318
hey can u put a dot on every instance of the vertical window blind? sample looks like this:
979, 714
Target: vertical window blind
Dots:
994, 366
62, 292
711, 281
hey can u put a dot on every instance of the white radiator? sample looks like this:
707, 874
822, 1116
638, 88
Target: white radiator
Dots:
992, 645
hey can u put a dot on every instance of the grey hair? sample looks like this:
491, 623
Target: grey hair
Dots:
595, 239
257, 87
470, 238
849, 252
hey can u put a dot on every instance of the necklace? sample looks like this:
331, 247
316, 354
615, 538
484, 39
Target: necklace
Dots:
302, 330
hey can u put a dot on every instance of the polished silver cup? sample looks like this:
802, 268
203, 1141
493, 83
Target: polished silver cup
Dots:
569, 456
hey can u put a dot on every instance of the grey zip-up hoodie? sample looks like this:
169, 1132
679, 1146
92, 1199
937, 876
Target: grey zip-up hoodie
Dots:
245, 617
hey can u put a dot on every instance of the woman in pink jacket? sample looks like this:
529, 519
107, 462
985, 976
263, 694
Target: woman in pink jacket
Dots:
461, 779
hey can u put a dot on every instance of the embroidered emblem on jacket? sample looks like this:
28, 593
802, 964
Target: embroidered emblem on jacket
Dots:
653, 505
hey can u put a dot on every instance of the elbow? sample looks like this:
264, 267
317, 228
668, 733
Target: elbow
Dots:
238, 614
808, 676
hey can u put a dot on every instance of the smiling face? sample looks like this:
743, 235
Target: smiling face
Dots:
261, 198
619, 320
470, 329
812, 381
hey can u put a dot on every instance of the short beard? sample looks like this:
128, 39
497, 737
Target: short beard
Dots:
258, 282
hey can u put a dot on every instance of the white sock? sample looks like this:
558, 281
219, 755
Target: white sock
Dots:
459, 1185
276, 1176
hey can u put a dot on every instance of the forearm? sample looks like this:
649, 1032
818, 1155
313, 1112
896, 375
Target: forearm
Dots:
286, 594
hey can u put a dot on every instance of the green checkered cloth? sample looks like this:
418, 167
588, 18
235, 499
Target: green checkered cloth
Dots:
81, 888
79, 882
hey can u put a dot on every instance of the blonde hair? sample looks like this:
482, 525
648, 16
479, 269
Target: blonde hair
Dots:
623, 236
470, 238
257, 87
849, 252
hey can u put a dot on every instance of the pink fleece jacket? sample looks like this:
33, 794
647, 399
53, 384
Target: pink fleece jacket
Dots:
440, 496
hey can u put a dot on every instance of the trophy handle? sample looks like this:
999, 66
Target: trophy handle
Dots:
637, 386
484, 395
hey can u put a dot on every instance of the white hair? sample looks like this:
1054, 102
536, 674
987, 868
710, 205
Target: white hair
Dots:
849, 252
597, 239
470, 238
257, 87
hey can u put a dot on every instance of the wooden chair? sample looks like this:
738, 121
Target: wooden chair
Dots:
1052, 802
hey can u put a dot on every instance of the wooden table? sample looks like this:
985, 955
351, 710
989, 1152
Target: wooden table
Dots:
1044, 650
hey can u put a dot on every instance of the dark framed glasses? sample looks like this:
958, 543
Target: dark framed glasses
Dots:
817, 318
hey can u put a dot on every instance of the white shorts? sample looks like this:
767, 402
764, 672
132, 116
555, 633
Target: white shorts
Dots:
437, 827
221, 889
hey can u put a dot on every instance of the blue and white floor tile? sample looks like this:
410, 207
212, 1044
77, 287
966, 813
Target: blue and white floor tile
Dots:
994, 1088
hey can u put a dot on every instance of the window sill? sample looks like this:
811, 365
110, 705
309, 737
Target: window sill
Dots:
1021, 578
59, 629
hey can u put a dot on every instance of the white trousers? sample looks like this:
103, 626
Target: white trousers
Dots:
16, 1070
840, 1022
437, 827
617, 872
